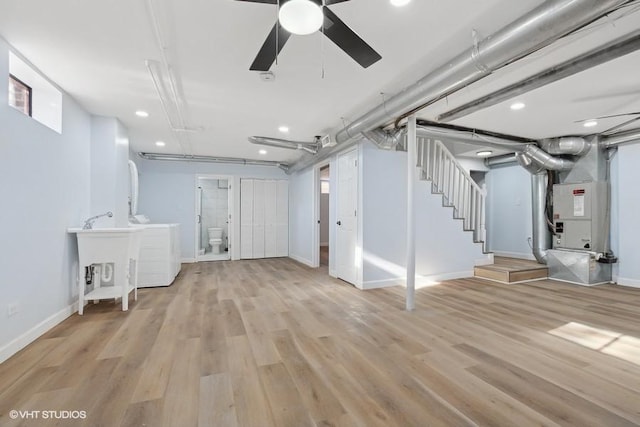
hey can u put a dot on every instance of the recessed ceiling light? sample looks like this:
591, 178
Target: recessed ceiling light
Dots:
485, 153
283, 129
160, 143
262, 152
517, 106
398, 3
141, 113
590, 123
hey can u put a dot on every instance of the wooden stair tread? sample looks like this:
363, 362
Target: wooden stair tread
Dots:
511, 270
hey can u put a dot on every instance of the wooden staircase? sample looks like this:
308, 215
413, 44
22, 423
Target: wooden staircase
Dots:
512, 270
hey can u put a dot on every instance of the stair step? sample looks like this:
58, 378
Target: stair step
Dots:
512, 270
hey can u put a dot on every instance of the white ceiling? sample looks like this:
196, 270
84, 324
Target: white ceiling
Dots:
96, 52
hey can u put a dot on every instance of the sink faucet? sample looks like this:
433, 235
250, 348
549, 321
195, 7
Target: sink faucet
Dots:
88, 224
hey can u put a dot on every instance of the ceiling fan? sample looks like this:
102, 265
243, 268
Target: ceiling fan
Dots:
292, 12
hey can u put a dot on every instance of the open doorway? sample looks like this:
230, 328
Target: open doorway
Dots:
324, 216
213, 214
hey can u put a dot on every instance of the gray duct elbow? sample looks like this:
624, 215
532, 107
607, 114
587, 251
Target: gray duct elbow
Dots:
573, 145
546, 160
386, 140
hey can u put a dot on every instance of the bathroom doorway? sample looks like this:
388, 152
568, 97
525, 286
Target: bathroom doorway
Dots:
323, 220
213, 218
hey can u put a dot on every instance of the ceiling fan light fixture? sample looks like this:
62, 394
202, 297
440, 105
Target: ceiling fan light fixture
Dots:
300, 17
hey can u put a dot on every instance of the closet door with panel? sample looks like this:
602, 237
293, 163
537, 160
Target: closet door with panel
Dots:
264, 216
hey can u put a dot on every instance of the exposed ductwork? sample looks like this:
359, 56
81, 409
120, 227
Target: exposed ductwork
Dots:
529, 164
506, 159
211, 159
541, 237
309, 147
529, 33
622, 138
607, 52
546, 160
573, 145
385, 139
471, 136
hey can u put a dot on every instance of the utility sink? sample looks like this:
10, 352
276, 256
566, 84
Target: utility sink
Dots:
117, 245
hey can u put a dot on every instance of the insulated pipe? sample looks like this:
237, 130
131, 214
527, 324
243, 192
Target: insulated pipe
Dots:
309, 147
622, 138
546, 160
540, 27
607, 52
541, 238
574, 145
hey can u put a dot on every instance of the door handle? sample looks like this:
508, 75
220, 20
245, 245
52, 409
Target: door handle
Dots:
339, 222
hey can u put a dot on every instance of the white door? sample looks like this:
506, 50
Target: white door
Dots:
270, 188
258, 218
347, 224
282, 219
246, 218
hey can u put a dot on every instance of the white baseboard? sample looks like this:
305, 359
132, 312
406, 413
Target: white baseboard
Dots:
188, 260
622, 281
421, 281
518, 255
302, 260
32, 334
333, 273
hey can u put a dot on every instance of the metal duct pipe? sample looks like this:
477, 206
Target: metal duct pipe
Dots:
309, 147
529, 164
607, 52
505, 159
622, 138
574, 145
527, 34
385, 139
211, 159
546, 160
541, 237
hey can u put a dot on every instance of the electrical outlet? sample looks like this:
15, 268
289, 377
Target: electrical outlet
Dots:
12, 309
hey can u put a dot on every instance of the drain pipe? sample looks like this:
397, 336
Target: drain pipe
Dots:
309, 147
527, 34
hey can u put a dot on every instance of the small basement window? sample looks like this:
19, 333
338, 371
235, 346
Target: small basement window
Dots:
31, 93
19, 95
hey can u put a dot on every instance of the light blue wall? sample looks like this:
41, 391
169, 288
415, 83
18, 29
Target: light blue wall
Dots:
45, 181
301, 216
509, 220
443, 249
167, 192
625, 170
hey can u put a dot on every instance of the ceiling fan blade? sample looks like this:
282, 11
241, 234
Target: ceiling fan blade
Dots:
262, 1
328, 2
347, 40
267, 54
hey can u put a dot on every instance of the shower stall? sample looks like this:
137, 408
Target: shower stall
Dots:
213, 218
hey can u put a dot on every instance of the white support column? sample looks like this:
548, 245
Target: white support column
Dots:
411, 217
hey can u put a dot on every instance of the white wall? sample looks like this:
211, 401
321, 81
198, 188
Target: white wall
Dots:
443, 249
508, 217
167, 193
45, 182
301, 216
626, 230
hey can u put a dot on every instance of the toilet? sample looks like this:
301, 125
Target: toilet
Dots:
215, 239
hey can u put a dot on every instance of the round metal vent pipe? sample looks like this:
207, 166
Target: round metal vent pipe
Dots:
309, 147
573, 145
542, 26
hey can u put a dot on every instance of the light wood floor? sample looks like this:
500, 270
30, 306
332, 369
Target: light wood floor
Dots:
273, 343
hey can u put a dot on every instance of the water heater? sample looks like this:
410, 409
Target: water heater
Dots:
579, 216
